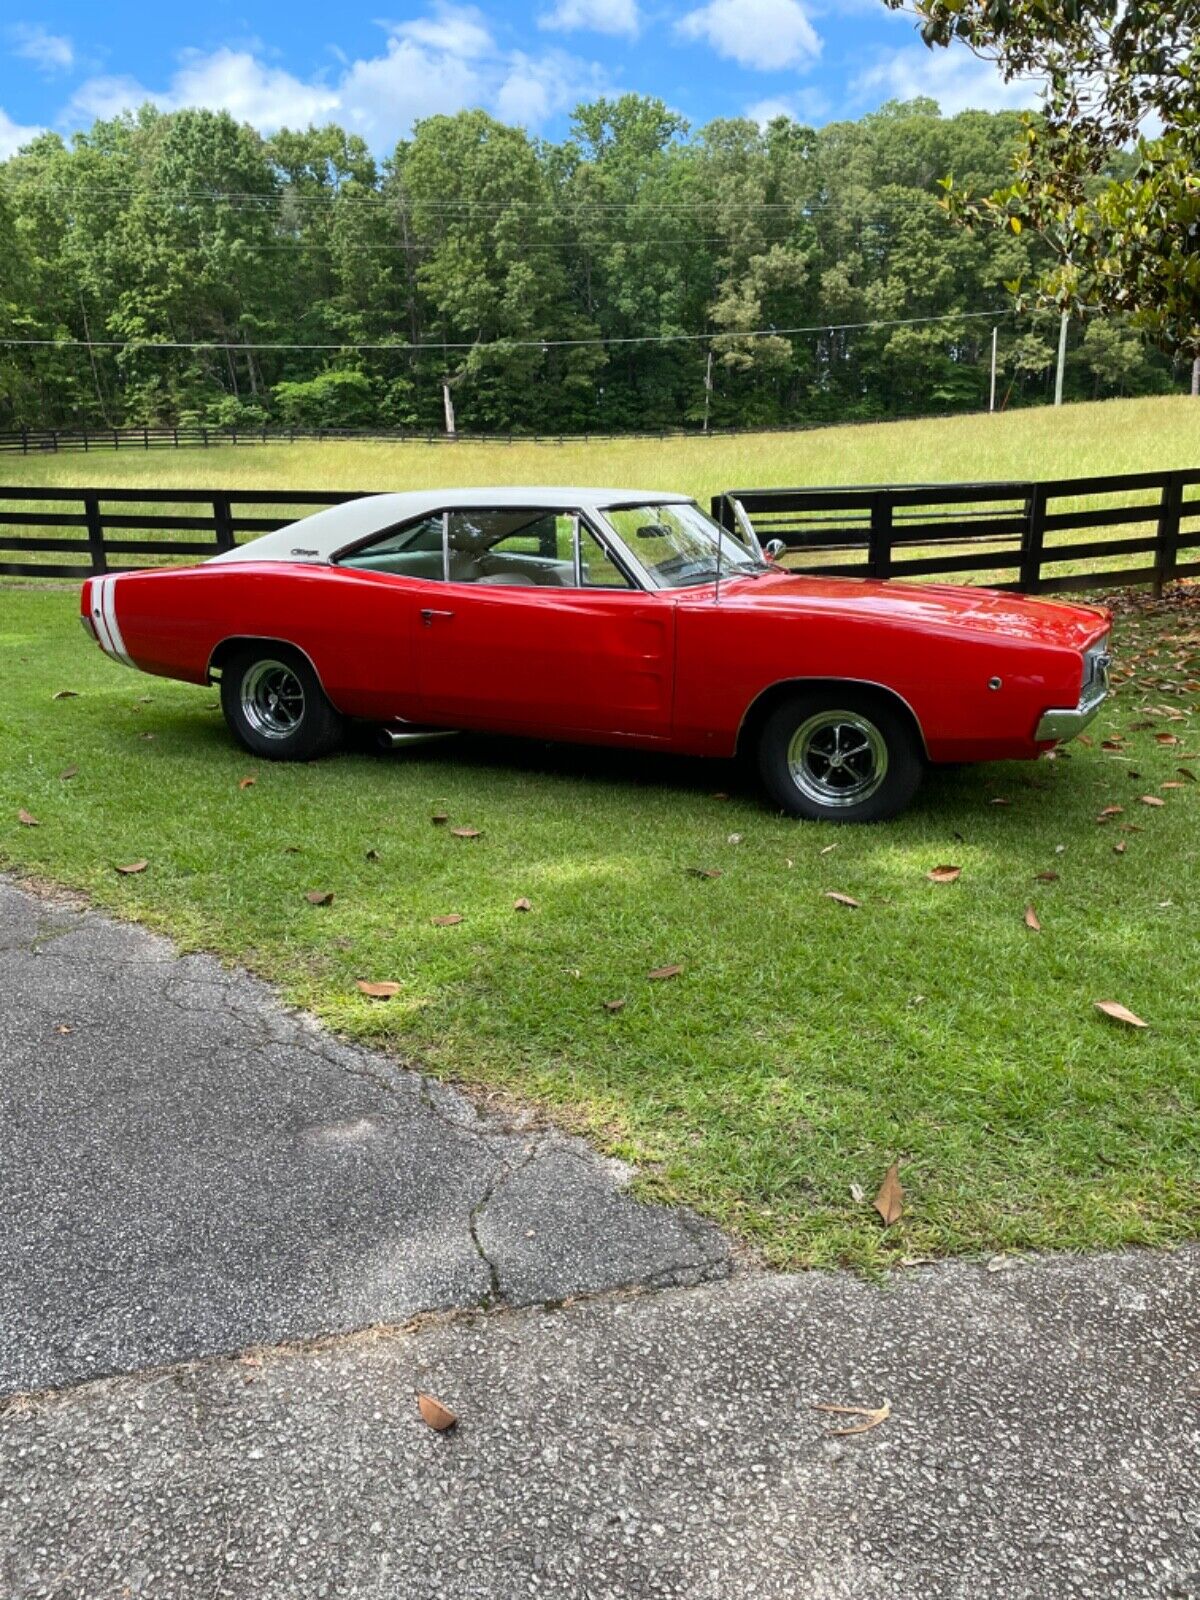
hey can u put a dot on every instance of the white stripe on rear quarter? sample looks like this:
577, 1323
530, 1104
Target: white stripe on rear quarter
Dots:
109, 604
99, 621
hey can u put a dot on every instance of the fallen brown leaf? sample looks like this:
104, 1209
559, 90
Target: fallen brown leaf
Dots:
378, 991
522, 904
1085, 740
945, 874
1046, 877
134, 866
247, 783
27, 819
1151, 800
889, 1202
434, 1414
825, 849
66, 694
1171, 783
466, 833
664, 972
1186, 772
439, 817
319, 897
1110, 811
1120, 1013
450, 920
872, 1416
1031, 919
372, 855
68, 772
704, 872
999, 800
1167, 738
1120, 847
843, 899
614, 1005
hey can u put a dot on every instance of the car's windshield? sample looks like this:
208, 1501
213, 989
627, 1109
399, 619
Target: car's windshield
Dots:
677, 544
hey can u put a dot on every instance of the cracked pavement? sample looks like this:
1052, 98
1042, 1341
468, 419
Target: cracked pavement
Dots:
201, 1192
191, 1170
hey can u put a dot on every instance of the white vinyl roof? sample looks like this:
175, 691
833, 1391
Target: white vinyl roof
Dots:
322, 535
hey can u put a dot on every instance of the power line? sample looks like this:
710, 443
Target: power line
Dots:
507, 344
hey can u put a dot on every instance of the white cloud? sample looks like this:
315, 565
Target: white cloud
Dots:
49, 52
599, 16
956, 79
809, 106
13, 135
442, 62
766, 34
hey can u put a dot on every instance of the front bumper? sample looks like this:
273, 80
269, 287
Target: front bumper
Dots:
1063, 723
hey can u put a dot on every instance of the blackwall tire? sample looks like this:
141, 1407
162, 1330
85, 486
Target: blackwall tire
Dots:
275, 706
840, 755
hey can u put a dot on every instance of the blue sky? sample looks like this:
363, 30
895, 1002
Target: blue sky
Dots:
65, 62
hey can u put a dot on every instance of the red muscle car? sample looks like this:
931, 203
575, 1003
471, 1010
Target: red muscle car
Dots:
610, 617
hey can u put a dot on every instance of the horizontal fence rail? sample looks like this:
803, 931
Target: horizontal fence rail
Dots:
1019, 535
1049, 537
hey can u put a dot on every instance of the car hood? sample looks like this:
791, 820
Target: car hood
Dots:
938, 606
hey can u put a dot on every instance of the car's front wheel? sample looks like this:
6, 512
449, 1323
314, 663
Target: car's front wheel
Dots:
274, 704
840, 755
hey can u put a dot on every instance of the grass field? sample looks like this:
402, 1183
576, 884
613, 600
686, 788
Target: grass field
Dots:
803, 1047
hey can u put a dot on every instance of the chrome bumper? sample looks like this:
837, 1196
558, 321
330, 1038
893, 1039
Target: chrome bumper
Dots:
1065, 722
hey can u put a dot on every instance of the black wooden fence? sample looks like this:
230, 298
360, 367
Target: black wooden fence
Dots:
1019, 534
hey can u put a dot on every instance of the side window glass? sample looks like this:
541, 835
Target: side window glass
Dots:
597, 569
413, 551
512, 548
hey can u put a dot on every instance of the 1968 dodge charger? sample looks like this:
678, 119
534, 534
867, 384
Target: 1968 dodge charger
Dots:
612, 617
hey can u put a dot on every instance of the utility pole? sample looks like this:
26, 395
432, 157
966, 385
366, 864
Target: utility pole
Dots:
708, 389
1062, 358
992, 397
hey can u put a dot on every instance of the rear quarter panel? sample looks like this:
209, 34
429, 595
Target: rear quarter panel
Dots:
729, 654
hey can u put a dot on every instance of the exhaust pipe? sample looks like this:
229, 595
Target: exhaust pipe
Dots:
393, 738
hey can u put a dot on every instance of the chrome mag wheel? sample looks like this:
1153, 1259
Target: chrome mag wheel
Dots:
837, 758
272, 699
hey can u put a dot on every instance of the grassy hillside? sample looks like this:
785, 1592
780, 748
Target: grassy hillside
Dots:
1110, 436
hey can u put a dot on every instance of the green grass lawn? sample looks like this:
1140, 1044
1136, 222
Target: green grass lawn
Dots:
804, 1046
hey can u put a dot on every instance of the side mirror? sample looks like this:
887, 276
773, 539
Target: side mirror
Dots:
773, 549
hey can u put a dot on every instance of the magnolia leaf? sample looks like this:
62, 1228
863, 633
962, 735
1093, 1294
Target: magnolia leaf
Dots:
319, 897
1120, 847
247, 783
68, 772
825, 849
434, 1414
704, 872
1119, 1013
450, 920
132, 867
614, 1005
66, 694
872, 1416
660, 973
1110, 811
944, 874
439, 817
1046, 877
466, 833
522, 904
1152, 800
27, 819
1031, 920
843, 899
378, 991
889, 1202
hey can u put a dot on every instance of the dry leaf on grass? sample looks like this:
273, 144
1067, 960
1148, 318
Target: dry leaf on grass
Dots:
825, 849
1185, 772
999, 800
889, 1202
68, 772
664, 972
1152, 800
27, 819
704, 872
450, 920
843, 899
132, 867
944, 874
66, 694
1120, 847
319, 897
614, 1005
1110, 811
247, 783
522, 904
466, 833
857, 1194
378, 991
1031, 919
872, 1416
439, 817
1119, 1013
1167, 738
434, 1414
734, 838
1046, 877
372, 855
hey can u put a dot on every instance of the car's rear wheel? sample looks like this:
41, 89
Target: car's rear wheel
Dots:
274, 704
840, 755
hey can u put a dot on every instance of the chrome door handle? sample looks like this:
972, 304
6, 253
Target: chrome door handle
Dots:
427, 616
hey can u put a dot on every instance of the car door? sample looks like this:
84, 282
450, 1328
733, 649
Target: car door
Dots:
540, 631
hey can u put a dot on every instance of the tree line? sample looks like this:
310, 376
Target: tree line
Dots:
635, 275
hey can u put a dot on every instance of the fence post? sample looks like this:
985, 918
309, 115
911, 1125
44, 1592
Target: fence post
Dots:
24, 441
1031, 543
1166, 542
879, 546
95, 533
223, 522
